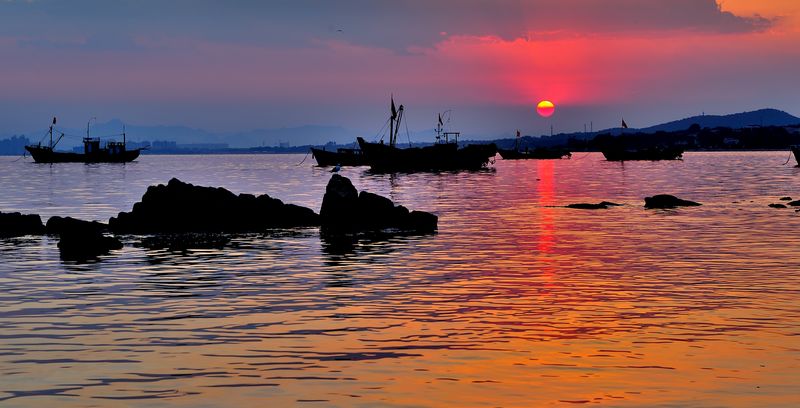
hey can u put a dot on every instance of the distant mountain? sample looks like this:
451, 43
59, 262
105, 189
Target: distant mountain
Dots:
762, 117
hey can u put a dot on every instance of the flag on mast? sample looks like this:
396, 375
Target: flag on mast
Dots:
518, 133
54, 120
624, 125
440, 120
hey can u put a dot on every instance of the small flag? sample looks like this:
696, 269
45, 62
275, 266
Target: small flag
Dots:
54, 120
517, 133
440, 120
624, 125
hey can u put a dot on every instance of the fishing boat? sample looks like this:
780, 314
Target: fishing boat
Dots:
341, 157
796, 152
646, 153
539, 153
112, 152
444, 154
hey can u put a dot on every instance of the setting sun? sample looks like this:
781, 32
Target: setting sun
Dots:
545, 109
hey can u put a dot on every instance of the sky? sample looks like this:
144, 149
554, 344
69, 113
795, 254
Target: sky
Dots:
228, 66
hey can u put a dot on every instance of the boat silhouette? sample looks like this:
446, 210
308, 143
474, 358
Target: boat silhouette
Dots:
445, 154
539, 153
112, 152
652, 153
341, 157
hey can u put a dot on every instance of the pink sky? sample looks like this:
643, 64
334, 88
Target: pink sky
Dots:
252, 65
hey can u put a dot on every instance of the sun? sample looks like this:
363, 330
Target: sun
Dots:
545, 109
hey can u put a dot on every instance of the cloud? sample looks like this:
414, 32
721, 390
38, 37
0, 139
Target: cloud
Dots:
396, 25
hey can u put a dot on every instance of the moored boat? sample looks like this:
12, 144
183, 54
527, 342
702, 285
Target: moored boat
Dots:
341, 157
539, 153
445, 154
796, 152
646, 153
112, 152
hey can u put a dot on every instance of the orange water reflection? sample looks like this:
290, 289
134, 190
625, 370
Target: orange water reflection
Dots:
517, 301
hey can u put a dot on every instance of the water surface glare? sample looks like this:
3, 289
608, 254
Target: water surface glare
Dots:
516, 302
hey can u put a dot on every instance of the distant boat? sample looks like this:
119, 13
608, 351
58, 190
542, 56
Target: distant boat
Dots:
442, 155
341, 157
538, 153
796, 152
113, 152
647, 153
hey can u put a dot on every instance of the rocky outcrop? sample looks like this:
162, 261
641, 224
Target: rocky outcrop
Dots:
590, 206
667, 201
61, 225
16, 224
83, 240
183, 207
777, 206
345, 210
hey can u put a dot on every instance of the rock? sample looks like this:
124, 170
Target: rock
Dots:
183, 207
589, 206
794, 203
84, 242
777, 206
345, 210
667, 201
16, 224
786, 199
182, 242
60, 225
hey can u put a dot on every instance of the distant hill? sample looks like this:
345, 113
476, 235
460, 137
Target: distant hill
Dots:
762, 117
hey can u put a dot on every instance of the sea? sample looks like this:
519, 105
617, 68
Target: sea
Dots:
517, 301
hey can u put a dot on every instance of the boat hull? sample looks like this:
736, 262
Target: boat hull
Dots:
442, 156
46, 155
654, 154
796, 152
536, 154
341, 157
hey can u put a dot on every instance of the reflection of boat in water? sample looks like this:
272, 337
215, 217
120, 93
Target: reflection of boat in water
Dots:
645, 153
113, 152
537, 153
342, 157
445, 154
796, 152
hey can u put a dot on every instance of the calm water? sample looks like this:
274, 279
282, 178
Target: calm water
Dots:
514, 303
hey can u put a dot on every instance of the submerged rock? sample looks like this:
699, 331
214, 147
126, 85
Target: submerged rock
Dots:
667, 201
786, 199
183, 207
590, 206
794, 203
345, 210
185, 241
16, 224
777, 206
84, 241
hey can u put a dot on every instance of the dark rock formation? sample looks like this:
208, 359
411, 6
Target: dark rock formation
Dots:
590, 206
16, 224
786, 199
345, 210
61, 225
777, 206
83, 241
185, 241
183, 207
794, 203
667, 201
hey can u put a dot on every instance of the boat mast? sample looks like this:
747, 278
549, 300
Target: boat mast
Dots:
397, 125
51, 132
391, 123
